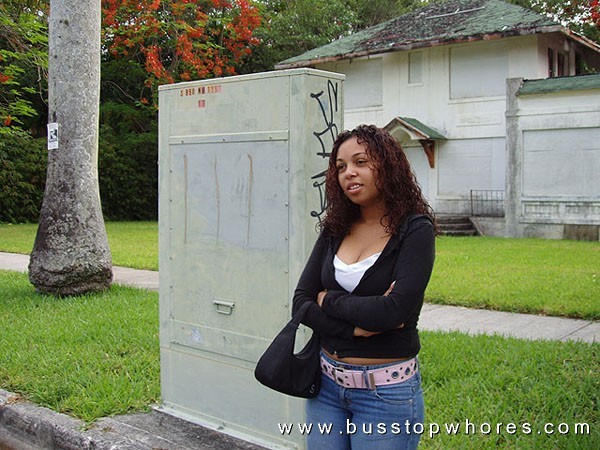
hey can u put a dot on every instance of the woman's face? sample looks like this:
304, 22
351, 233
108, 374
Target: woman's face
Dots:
356, 173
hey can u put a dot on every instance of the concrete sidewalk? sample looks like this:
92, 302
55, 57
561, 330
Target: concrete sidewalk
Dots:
25, 426
147, 279
433, 317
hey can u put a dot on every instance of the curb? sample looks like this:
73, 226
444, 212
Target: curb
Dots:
26, 426
23, 422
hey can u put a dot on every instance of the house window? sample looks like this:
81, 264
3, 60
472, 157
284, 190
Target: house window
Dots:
551, 71
478, 71
363, 87
562, 63
415, 68
579, 66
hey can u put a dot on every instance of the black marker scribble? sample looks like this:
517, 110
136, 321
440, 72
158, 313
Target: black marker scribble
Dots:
329, 119
328, 111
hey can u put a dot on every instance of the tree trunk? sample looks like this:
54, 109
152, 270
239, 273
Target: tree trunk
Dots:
71, 254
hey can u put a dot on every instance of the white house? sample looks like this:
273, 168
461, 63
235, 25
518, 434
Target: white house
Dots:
448, 81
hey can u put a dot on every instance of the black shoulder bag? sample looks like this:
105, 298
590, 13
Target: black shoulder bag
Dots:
295, 374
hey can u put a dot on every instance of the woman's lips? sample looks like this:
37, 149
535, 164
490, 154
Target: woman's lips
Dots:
353, 188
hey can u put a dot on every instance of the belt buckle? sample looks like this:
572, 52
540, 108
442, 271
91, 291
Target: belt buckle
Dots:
370, 380
338, 370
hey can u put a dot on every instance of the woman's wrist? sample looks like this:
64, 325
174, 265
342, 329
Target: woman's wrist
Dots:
320, 297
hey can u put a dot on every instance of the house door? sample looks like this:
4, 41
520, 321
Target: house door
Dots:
419, 165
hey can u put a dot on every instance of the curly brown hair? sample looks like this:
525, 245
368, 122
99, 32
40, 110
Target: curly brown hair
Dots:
394, 179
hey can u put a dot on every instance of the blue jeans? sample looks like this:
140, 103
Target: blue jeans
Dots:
363, 419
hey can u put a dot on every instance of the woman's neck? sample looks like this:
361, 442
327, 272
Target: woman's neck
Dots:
372, 215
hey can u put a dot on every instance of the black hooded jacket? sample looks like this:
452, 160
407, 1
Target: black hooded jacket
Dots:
407, 260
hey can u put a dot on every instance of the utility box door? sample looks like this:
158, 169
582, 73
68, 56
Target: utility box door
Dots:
232, 291
242, 163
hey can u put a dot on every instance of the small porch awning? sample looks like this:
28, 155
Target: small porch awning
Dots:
408, 129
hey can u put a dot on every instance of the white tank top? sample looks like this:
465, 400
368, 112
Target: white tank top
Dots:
349, 275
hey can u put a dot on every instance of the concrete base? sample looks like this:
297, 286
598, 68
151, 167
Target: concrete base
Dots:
490, 226
583, 232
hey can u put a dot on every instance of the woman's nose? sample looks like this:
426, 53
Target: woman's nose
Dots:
350, 172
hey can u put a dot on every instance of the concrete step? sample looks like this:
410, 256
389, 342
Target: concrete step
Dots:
456, 225
459, 232
451, 218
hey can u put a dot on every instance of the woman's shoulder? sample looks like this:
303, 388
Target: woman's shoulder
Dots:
413, 221
421, 224
328, 239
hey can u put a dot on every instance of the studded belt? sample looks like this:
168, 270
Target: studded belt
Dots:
369, 379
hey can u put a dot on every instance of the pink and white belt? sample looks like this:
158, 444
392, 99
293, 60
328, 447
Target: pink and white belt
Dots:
369, 379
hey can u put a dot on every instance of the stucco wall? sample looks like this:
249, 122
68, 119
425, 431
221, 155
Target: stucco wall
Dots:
535, 147
553, 156
450, 90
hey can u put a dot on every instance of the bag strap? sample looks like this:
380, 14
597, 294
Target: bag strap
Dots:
297, 318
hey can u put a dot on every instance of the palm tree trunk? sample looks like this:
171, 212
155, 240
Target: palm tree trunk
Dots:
71, 255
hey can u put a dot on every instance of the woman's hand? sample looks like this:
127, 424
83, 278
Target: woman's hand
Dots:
359, 332
320, 297
388, 293
389, 289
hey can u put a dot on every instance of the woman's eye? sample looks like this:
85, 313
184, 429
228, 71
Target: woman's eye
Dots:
340, 168
361, 162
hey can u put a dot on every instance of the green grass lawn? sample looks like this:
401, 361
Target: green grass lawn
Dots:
132, 244
488, 380
97, 355
553, 277
89, 356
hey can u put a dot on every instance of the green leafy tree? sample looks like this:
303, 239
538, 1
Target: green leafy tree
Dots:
371, 13
23, 61
290, 27
128, 159
578, 15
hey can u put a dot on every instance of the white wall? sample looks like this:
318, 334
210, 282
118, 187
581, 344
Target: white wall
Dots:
459, 90
559, 155
562, 163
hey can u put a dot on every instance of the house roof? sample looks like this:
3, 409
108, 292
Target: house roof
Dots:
578, 83
414, 128
440, 23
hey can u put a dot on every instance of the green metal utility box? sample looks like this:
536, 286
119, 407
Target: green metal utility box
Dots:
241, 173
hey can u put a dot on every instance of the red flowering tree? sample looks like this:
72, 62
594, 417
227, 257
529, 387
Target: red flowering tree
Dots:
181, 39
595, 12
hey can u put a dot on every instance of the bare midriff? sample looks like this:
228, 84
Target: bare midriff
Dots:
363, 361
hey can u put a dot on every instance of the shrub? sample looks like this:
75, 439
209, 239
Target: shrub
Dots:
127, 170
128, 162
23, 161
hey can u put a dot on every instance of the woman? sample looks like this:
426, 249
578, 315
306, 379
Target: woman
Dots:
366, 277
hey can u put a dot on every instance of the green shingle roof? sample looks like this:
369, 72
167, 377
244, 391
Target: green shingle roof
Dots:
415, 126
582, 82
436, 24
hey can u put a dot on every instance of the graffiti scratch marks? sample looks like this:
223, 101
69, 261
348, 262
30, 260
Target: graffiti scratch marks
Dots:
250, 183
218, 198
185, 197
326, 136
